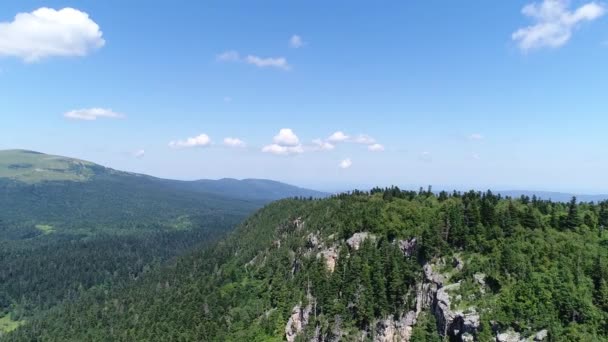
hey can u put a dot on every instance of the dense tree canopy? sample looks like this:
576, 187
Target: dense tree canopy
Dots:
545, 263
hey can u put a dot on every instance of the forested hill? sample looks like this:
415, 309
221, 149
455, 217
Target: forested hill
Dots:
79, 196
385, 265
67, 226
254, 189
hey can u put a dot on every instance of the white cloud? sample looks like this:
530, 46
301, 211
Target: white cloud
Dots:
260, 62
47, 32
375, 148
283, 150
364, 139
296, 41
321, 145
201, 140
229, 56
139, 154
475, 136
338, 136
234, 142
286, 137
346, 163
279, 62
91, 114
554, 23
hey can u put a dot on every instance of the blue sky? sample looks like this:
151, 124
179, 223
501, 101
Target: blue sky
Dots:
451, 93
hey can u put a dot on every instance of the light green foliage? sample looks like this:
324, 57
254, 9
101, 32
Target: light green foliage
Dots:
32, 167
45, 228
7, 324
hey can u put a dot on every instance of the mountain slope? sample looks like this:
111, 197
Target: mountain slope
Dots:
254, 189
386, 265
68, 225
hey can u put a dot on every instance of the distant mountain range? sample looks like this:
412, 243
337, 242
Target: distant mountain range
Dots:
32, 167
554, 196
79, 196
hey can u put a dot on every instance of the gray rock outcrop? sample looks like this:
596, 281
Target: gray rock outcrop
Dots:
434, 294
357, 239
297, 322
541, 335
408, 247
391, 330
330, 255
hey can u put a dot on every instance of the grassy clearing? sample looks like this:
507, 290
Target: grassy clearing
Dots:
45, 228
8, 325
32, 167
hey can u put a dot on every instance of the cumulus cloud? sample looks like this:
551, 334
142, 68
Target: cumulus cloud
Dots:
338, 136
375, 148
201, 140
296, 41
553, 23
364, 139
285, 143
139, 154
475, 136
260, 62
346, 163
283, 150
321, 145
47, 32
234, 142
286, 137
269, 62
91, 114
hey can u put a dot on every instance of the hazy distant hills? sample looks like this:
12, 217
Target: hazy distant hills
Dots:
555, 196
254, 189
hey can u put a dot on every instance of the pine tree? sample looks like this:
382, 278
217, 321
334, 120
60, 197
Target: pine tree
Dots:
573, 220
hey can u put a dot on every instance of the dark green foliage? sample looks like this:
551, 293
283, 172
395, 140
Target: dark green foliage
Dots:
546, 267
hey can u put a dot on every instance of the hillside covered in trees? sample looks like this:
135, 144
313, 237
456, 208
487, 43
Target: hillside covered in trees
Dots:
384, 265
67, 226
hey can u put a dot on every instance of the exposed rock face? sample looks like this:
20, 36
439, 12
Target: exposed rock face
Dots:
390, 330
541, 335
313, 240
466, 337
297, 322
435, 295
408, 247
509, 336
513, 336
357, 239
451, 322
331, 257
